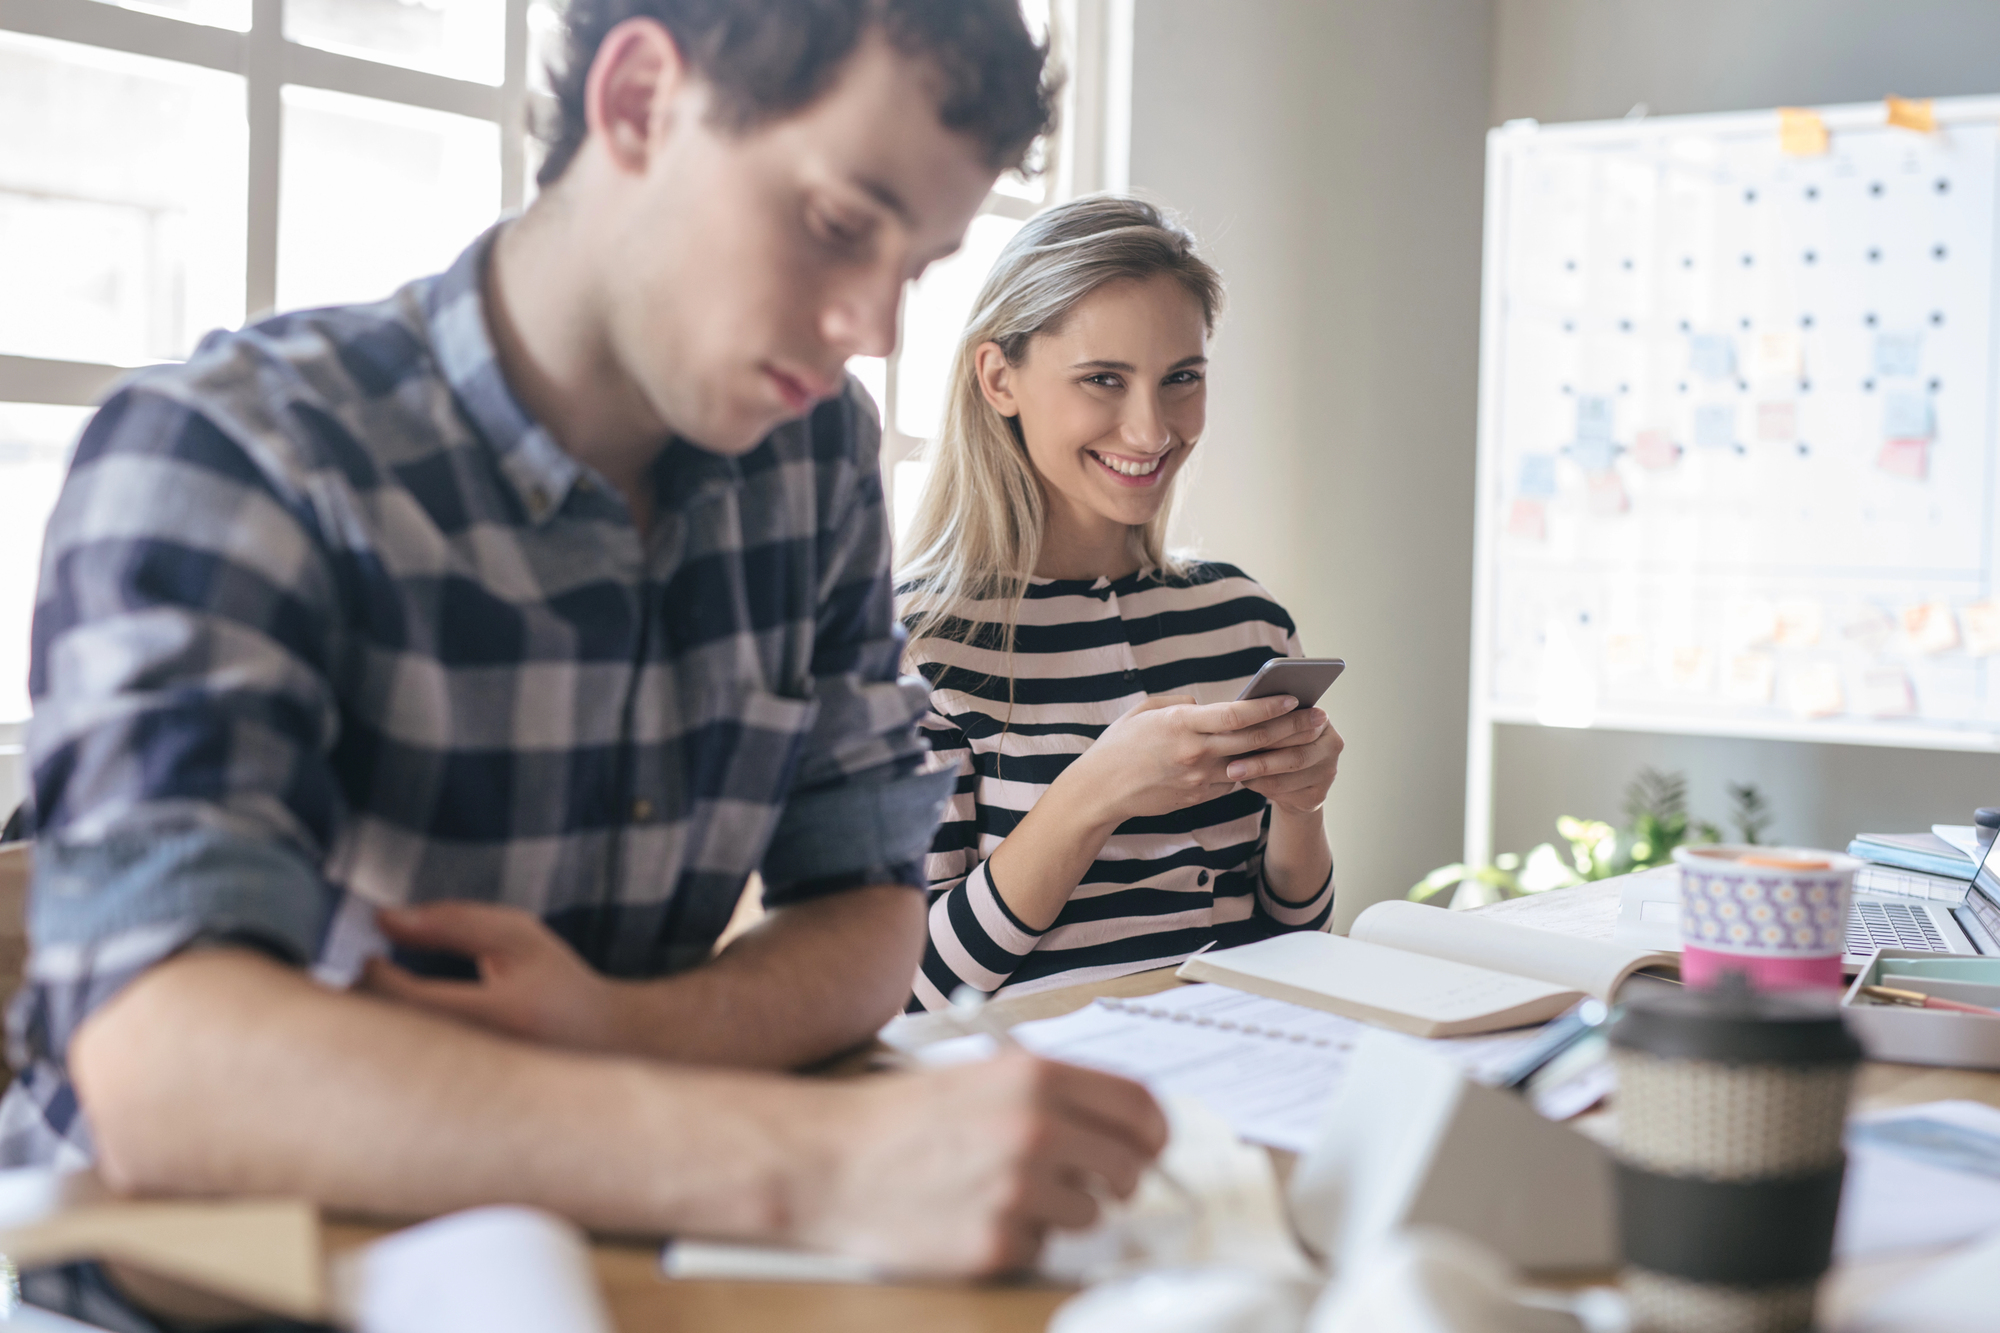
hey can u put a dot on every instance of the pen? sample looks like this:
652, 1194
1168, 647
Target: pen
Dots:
1561, 1034
1916, 999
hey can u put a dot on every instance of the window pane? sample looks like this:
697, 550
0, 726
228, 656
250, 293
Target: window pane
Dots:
121, 203
215, 13
934, 317
34, 448
465, 39
374, 194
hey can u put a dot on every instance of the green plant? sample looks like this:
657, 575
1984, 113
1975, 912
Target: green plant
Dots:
1658, 821
1749, 811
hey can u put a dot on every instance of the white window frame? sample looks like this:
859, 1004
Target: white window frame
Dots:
268, 61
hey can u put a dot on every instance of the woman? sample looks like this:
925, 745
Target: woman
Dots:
1114, 810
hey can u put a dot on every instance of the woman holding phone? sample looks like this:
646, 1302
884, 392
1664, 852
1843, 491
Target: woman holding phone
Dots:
1117, 807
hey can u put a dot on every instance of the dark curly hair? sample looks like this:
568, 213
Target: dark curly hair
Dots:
768, 58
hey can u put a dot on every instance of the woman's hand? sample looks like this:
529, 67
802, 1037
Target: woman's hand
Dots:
1295, 778
1168, 753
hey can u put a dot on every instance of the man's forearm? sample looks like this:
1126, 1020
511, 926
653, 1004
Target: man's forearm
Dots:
223, 1072
811, 980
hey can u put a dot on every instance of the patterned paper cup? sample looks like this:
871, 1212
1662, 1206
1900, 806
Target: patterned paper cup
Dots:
1776, 914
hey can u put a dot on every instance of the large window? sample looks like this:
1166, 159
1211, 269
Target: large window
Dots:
176, 166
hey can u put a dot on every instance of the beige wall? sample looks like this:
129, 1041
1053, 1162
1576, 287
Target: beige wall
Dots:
1331, 154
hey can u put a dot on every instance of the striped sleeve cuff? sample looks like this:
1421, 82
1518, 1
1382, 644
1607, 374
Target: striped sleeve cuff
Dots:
974, 941
1312, 914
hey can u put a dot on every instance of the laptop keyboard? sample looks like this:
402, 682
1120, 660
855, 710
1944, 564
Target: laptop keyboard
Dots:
1873, 926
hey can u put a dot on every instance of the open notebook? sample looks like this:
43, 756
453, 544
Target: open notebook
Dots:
1429, 972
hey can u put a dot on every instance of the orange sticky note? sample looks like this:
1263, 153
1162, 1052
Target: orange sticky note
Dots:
1801, 133
1912, 113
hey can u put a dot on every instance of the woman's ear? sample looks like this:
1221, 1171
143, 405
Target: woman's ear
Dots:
996, 378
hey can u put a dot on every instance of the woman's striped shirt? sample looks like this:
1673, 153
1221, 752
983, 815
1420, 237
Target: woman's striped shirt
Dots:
1084, 653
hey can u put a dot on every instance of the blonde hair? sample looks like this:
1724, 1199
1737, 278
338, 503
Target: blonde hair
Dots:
977, 530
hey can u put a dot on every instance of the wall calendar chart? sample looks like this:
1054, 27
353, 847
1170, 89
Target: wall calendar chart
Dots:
1737, 457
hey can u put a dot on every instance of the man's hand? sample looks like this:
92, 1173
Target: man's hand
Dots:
1296, 778
531, 984
963, 1172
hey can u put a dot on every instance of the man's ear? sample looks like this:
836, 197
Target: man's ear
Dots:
628, 100
996, 378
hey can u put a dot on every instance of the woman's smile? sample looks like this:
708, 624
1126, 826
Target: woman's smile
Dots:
1128, 470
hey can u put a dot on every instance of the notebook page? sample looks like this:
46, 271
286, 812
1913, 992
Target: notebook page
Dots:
1593, 966
1268, 1068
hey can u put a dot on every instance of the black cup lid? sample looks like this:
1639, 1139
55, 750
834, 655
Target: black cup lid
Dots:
1734, 1024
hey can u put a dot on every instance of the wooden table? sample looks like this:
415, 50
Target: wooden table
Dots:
644, 1302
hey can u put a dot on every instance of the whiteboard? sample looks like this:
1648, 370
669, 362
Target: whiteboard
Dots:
1737, 466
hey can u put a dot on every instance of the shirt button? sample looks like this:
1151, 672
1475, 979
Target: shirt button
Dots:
642, 809
1202, 878
1131, 673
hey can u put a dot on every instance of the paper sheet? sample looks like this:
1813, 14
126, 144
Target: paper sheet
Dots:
486, 1270
1898, 1200
1268, 1068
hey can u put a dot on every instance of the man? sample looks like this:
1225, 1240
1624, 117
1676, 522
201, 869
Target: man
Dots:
539, 605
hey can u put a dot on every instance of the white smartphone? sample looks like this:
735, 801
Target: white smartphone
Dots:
1304, 678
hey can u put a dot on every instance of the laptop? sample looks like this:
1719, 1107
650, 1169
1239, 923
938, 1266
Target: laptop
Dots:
1650, 908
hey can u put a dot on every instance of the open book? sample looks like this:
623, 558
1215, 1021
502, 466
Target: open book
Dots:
1429, 972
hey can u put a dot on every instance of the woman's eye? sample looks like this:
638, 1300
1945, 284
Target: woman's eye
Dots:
1185, 377
1103, 379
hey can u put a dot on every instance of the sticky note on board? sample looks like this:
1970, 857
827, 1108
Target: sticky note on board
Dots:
1593, 417
1980, 624
1607, 494
1712, 356
1911, 113
1887, 692
1594, 455
1777, 356
1751, 678
1800, 621
1529, 520
1777, 422
1688, 667
1869, 631
1715, 426
1655, 450
1801, 133
1625, 654
1817, 691
1538, 476
1898, 353
1906, 415
1905, 458
1930, 627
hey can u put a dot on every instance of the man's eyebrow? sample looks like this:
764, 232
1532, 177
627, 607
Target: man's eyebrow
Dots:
886, 197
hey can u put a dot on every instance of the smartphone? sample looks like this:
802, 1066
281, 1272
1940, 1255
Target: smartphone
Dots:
1304, 678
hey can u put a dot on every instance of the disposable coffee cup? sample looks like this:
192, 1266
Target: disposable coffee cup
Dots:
1775, 915
1731, 1103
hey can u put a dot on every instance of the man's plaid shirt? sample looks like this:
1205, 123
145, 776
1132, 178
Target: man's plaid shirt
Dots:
326, 621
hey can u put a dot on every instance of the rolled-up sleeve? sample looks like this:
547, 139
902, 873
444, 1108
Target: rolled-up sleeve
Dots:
867, 798
182, 716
